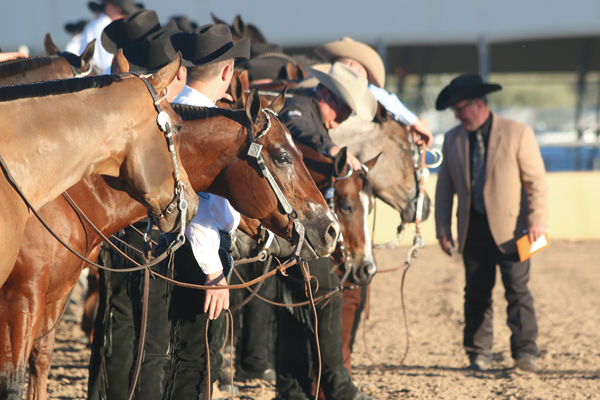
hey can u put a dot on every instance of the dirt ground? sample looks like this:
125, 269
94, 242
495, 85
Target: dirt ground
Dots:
566, 287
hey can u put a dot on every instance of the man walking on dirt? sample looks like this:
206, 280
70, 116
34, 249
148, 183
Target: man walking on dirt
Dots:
494, 166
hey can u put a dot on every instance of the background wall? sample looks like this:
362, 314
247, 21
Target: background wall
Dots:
574, 210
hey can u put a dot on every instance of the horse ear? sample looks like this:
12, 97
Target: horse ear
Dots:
239, 104
87, 55
166, 74
253, 106
256, 36
119, 65
381, 114
339, 162
245, 80
49, 45
277, 104
236, 86
301, 72
371, 163
291, 72
217, 20
238, 26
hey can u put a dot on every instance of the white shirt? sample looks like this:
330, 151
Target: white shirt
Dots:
93, 30
392, 103
214, 212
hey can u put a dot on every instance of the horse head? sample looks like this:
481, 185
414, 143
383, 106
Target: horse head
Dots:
151, 172
265, 162
81, 65
350, 196
393, 179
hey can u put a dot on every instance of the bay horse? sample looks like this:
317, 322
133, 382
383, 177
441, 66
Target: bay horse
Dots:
213, 150
51, 139
55, 65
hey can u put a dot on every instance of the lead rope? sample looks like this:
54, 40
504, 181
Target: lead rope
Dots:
421, 175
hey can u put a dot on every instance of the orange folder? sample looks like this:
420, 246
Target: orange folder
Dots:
527, 249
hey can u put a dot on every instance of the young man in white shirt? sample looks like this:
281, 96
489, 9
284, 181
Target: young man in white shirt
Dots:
209, 54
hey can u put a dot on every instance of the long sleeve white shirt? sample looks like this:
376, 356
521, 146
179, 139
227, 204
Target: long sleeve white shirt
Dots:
392, 103
93, 30
214, 212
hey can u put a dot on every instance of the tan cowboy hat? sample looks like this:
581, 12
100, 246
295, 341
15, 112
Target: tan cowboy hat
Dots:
312, 82
364, 54
349, 86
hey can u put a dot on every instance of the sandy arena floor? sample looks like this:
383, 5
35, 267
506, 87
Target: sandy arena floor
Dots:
566, 287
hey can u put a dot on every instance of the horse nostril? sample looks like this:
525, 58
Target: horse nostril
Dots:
370, 268
333, 231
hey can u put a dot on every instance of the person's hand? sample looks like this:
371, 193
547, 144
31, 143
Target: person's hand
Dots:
535, 231
216, 300
447, 244
353, 162
421, 133
11, 56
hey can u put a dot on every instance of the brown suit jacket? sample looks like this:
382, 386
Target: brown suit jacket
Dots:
515, 191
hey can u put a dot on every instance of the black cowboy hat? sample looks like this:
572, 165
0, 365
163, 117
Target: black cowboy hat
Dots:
148, 55
184, 24
267, 61
76, 27
96, 7
128, 6
128, 30
464, 87
207, 44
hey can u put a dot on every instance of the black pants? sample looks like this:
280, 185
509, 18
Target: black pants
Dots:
295, 331
187, 378
480, 256
256, 325
117, 329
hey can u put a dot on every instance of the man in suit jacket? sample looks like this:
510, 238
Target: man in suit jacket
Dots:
495, 168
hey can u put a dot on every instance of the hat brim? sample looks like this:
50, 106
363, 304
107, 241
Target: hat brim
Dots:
178, 43
364, 105
449, 96
96, 7
358, 51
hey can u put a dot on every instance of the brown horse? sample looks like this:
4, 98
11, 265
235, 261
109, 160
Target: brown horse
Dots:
393, 179
350, 195
56, 65
213, 150
50, 142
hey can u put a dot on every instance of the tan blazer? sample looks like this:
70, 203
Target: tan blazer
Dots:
515, 191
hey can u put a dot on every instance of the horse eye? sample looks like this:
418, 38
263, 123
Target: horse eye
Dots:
282, 159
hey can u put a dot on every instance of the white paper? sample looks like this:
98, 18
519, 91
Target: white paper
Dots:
538, 244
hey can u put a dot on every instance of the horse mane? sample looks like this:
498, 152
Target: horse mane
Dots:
56, 87
24, 64
189, 113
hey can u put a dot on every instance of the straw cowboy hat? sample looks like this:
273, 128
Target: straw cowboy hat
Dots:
125, 31
207, 44
349, 86
358, 51
464, 87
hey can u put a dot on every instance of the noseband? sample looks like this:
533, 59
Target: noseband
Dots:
254, 152
164, 122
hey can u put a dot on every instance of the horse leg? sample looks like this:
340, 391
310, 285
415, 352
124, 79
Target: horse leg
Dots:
40, 358
19, 319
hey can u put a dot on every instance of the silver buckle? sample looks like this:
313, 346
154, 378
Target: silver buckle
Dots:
254, 150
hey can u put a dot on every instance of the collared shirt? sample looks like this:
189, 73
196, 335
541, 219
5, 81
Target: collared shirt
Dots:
302, 116
392, 103
485, 128
93, 30
214, 212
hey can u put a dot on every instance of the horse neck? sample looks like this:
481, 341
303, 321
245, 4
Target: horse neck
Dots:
59, 68
65, 150
208, 146
108, 209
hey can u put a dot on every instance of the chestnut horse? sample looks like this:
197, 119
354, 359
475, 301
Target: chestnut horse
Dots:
213, 150
50, 141
56, 65
350, 196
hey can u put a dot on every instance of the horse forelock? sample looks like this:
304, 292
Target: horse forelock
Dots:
24, 64
56, 87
